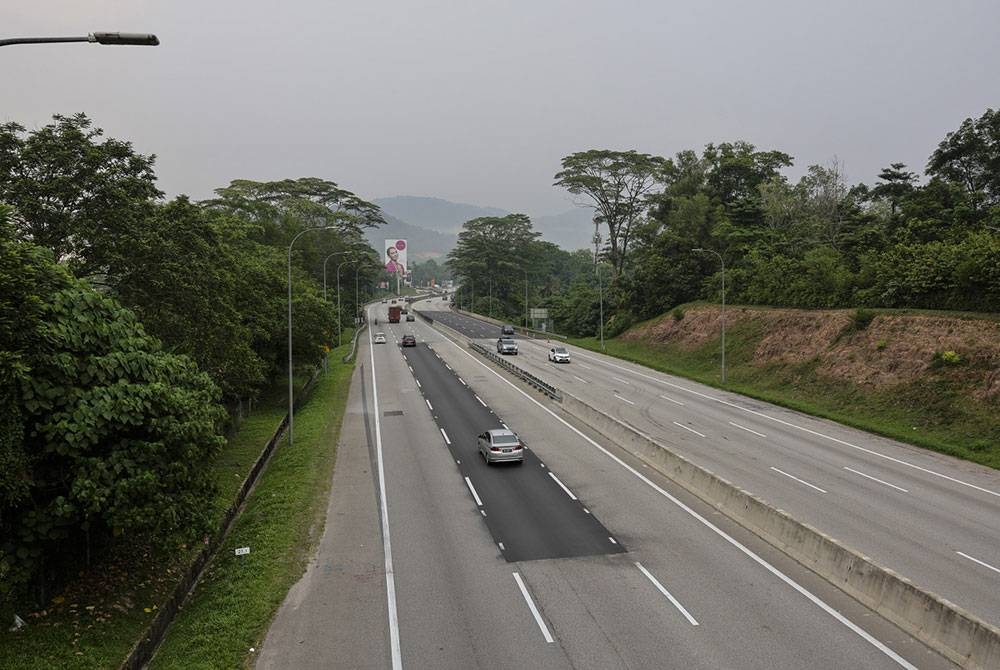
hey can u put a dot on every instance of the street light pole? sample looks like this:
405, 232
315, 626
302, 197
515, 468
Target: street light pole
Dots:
291, 401
336, 253
340, 326
135, 39
723, 262
525, 300
600, 293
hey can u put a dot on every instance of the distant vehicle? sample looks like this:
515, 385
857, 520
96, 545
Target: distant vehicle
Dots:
383, 301
394, 313
499, 445
393, 301
505, 345
379, 338
507, 329
409, 317
405, 310
408, 341
559, 355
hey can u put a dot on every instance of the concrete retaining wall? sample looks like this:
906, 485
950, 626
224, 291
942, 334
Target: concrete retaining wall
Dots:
953, 632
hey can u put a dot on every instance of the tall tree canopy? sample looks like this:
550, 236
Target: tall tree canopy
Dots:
73, 193
970, 156
618, 184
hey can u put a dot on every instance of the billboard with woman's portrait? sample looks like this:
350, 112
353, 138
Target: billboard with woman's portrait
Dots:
395, 256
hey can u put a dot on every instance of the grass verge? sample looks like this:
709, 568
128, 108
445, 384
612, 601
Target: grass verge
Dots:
234, 602
934, 415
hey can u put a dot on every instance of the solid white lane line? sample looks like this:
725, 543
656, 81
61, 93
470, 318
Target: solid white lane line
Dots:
623, 381
582, 379
676, 402
562, 486
623, 399
473, 490
976, 560
898, 488
480, 401
531, 606
428, 404
807, 430
736, 425
680, 425
800, 481
445, 436
791, 583
664, 591
390, 572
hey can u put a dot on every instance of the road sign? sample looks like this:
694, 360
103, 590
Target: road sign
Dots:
242, 551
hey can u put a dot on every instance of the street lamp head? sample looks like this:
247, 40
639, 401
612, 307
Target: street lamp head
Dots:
136, 39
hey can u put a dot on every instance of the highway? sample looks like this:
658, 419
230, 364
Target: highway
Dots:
581, 557
929, 517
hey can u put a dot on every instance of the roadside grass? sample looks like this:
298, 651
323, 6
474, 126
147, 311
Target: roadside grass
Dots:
934, 415
97, 618
230, 609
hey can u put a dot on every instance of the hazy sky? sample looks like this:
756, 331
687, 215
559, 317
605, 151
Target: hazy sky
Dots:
478, 102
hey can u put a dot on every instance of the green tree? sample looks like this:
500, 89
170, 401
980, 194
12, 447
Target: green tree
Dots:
970, 156
109, 434
619, 185
896, 184
492, 253
72, 193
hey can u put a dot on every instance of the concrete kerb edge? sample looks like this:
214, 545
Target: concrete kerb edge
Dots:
956, 634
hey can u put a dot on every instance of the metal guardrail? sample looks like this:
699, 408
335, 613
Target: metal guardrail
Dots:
544, 387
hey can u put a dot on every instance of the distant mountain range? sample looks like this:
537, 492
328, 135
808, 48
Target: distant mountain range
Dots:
431, 225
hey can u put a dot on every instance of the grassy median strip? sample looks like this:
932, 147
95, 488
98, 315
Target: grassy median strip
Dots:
933, 415
233, 604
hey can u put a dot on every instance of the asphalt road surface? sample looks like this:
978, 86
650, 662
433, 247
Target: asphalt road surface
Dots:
929, 517
579, 558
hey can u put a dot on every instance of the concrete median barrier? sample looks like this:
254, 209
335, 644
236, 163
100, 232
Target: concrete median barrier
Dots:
958, 635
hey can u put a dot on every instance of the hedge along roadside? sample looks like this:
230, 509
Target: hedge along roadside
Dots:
145, 648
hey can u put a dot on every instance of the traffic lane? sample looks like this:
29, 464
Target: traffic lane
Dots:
529, 512
948, 547
468, 326
911, 461
712, 579
453, 586
942, 539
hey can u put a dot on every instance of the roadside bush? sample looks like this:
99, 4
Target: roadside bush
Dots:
112, 435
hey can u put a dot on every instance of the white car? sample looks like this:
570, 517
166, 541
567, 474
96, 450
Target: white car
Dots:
379, 338
559, 355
